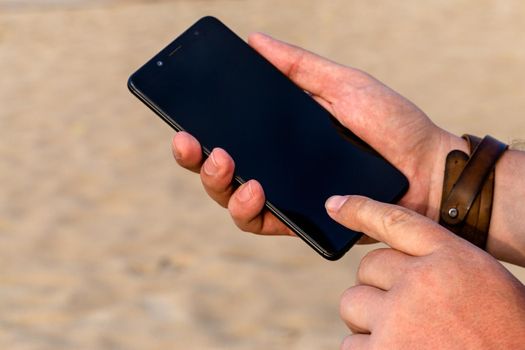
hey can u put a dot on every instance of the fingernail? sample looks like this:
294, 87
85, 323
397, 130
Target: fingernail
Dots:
210, 165
335, 203
245, 193
176, 152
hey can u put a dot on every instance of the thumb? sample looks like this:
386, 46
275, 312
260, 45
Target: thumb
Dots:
309, 71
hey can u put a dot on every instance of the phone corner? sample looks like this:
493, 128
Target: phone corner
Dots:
210, 19
131, 85
336, 255
333, 256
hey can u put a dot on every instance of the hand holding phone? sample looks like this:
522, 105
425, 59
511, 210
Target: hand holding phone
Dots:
349, 95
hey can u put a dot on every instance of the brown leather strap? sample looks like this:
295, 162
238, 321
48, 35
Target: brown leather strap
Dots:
470, 181
468, 189
472, 142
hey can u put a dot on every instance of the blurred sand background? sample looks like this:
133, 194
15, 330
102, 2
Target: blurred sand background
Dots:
106, 244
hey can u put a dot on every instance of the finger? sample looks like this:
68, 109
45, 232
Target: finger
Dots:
309, 71
356, 342
400, 228
246, 207
361, 306
217, 175
187, 151
382, 267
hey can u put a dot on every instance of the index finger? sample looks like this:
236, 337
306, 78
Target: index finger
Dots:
400, 228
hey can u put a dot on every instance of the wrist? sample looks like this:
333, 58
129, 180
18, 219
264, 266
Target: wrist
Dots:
506, 239
506, 235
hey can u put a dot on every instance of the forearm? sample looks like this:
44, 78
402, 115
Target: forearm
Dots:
506, 239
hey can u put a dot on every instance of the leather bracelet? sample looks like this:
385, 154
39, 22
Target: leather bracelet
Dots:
468, 189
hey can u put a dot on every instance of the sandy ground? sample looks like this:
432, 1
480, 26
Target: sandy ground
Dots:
106, 244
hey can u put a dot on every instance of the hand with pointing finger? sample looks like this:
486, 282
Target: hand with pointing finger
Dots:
429, 290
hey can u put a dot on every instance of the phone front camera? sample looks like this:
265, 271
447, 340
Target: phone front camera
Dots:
196, 33
160, 63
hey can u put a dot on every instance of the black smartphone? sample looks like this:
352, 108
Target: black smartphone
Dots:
212, 84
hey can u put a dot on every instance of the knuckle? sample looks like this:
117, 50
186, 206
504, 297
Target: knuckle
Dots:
367, 261
396, 216
349, 298
345, 302
359, 203
358, 209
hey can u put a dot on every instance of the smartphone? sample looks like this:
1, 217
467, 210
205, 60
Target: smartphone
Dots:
212, 84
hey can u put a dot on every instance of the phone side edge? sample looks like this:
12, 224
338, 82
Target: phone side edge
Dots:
329, 255
138, 94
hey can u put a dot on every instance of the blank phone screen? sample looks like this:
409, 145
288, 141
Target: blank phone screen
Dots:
210, 83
